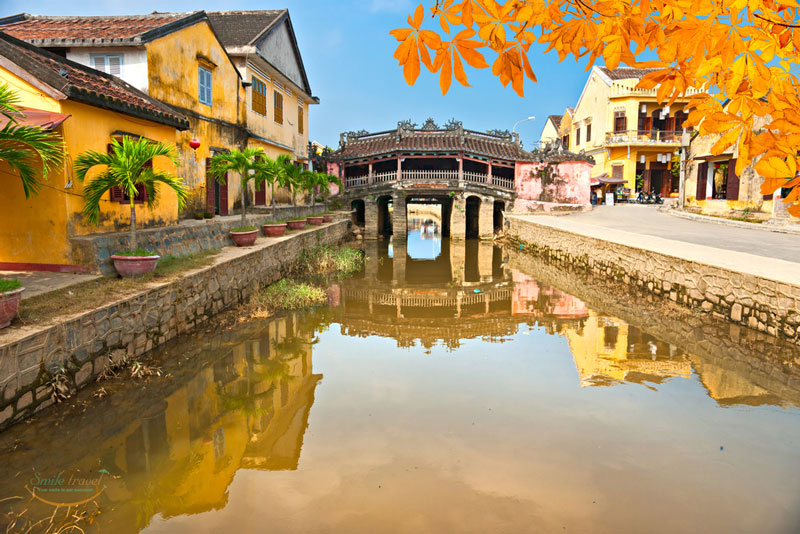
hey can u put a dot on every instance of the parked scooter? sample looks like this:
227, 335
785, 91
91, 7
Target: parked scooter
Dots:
656, 198
649, 198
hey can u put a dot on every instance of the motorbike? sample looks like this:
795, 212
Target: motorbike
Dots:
649, 198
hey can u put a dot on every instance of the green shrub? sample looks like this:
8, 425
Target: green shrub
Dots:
9, 284
138, 252
327, 260
244, 229
286, 294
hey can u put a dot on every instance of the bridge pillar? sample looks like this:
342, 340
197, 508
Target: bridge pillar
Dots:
486, 218
485, 257
458, 256
458, 219
370, 219
399, 218
399, 255
371, 260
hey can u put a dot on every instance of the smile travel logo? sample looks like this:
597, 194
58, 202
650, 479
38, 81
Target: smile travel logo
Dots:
66, 490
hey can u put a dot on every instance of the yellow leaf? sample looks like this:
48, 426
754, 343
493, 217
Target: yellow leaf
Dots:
726, 141
458, 70
446, 74
612, 53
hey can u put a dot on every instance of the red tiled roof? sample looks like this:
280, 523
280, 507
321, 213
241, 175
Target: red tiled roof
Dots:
469, 142
85, 84
124, 27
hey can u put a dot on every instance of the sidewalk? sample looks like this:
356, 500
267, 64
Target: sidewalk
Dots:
770, 256
649, 221
38, 282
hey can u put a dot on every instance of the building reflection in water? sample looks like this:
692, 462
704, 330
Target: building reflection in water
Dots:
247, 409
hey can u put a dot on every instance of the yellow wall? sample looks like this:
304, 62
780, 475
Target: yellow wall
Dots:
173, 62
37, 230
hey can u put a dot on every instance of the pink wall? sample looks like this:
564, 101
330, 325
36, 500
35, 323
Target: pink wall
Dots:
570, 184
333, 168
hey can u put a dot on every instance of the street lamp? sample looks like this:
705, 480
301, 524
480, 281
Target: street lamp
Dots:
514, 129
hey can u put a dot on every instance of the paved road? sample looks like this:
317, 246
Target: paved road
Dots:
647, 220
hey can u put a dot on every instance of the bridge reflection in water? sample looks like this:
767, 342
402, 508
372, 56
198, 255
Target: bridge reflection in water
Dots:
239, 400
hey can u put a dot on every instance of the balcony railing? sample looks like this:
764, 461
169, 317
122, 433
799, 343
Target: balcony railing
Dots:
619, 90
644, 137
498, 182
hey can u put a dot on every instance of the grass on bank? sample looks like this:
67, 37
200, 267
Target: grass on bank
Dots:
305, 287
47, 307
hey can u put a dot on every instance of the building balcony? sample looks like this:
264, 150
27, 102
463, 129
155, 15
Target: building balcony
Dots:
626, 91
429, 176
644, 137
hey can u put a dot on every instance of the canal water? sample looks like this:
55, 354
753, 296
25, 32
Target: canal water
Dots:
450, 387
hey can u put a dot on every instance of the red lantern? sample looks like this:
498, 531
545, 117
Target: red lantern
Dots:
195, 144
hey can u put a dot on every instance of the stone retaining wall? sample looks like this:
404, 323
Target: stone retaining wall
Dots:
189, 237
83, 346
748, 300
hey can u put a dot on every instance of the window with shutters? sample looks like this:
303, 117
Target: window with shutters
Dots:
620, 121
300, 119
616, 172
278, 107
204, 80
588, 132
577, 136
259, 96
108, 63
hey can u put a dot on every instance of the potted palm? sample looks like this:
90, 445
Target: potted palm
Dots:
309, 180
272, 173
294, 179
128, 166
245, 163
10, 295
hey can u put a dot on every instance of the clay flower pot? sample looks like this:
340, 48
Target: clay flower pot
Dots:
316, 221
327, 218
9, 304
274, 230
128, 266
297, 225
244, 239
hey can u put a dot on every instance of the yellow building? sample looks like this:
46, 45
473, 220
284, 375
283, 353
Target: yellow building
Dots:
88, 108
175, 58
630, 136
264, 48
551, 128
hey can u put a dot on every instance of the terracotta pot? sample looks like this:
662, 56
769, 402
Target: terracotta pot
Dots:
244, 239
296, 225
9, 304
316, 221
128, 266
274, 230
327, 218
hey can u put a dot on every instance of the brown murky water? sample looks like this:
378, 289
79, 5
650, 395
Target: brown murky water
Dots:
449, 388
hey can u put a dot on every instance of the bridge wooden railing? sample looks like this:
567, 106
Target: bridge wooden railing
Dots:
498, 182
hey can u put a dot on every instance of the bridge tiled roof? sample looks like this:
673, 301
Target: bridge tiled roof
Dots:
364, 145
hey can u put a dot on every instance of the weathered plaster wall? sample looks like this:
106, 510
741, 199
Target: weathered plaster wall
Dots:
744, 299
85, 344
541, 186
173, 62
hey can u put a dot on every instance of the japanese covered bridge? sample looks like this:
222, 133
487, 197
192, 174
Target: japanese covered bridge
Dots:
474, 176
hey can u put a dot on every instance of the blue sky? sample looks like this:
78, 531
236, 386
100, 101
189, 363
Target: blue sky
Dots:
348, 57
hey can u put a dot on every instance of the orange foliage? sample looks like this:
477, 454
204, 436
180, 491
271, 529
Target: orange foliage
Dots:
743, 54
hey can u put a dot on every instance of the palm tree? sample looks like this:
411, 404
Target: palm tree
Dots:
294, 177
272, 172
22, 147
240, 161
128, 166
325, 186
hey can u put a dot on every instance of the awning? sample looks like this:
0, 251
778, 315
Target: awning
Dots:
37, 117
605, 179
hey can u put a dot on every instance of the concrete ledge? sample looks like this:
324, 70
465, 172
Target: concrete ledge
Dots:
753, 291
188, 237
85, 343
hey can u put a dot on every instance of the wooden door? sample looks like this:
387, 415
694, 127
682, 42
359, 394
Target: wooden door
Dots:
223, 197
261, 194
732, 186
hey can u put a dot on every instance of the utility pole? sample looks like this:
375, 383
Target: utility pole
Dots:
684, 162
